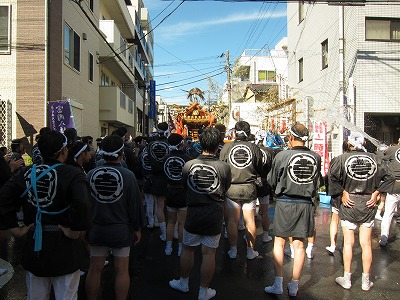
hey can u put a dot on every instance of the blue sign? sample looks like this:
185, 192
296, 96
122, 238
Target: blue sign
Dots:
152, 110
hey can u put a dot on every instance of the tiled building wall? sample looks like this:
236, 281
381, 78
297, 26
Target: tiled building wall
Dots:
30, 67
76, 85
374, 66
377, 70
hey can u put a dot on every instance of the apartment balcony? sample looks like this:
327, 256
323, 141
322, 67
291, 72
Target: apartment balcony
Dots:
117, 65
119, 12
116, 106
140, 39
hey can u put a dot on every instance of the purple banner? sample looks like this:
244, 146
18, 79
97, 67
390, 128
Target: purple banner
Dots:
152, 110
61, 116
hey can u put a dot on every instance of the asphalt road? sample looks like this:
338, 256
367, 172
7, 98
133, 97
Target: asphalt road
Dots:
240, 278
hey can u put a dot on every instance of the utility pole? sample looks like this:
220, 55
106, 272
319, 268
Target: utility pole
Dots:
229, 85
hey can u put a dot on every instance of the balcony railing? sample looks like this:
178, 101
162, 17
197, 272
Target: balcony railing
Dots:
116, 106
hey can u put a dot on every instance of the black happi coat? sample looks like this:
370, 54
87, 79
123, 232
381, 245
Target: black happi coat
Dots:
360, 174
296, 173
392, 158
157, 151
206, 180
173, 166
246, 162
117, 206
264, 188
65, 186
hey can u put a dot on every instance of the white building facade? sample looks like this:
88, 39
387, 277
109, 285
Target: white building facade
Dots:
344, 69
98, 55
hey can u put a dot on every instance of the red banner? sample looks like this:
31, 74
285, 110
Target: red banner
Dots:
320, 145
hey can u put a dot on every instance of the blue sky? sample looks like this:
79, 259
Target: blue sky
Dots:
189, 42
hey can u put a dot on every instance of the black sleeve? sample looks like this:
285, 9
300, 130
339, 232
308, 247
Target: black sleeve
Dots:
5, 171
10, 202
79, 207
335, 179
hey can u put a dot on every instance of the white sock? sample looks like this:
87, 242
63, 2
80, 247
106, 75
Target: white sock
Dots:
185, 281
169, 244
163, 228
295, 283
278, 281
310, 245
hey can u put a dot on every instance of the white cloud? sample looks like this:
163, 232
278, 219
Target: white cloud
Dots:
171, 32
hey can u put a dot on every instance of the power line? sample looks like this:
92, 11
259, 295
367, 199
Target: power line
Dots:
193, 60
181, 72
108, 58
78, 2
188, 78
171, 87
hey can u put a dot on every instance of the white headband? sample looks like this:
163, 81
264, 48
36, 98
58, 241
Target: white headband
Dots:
171, 147
114, 154
303, 138
65, 143
241, 132
80, 151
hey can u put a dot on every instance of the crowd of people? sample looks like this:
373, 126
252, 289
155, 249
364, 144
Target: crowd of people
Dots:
75, 200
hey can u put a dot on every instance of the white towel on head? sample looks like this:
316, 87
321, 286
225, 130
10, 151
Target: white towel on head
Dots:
356, 139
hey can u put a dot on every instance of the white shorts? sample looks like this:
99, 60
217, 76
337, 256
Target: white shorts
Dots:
65, 287
353, 226
103, 251
193, 240
244, 205
174, 209
264, 199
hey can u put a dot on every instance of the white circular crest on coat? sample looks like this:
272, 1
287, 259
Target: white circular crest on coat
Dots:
302, 168
145, 160
264, 157
158, 150
173, 167
397, 155
360, 167
46, 186
106, 185
240, 156
203, 179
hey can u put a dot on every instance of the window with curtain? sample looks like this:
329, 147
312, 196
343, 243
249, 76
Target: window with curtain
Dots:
122, 100
5, 33
382, 29
91, 67
139, 115
72, 48
122, 47
130, 106
324, 52
301, 66
266, 76
301, 11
